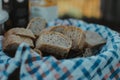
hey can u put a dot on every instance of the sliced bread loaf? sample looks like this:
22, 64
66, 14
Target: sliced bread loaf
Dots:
36, 25
11, 42
21, 32
54, 43
76, 35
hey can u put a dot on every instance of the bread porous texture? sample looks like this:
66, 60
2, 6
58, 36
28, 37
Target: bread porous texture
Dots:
54, 42
36, 25
77, 36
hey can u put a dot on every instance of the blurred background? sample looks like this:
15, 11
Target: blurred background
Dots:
105, 12
79, 8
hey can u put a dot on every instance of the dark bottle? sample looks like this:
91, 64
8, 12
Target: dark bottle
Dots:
8, 6
21, 12
110, 10
18, 13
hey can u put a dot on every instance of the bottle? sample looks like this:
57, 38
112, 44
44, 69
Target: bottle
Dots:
18, 13
3, 18
7, 5
46, 9
21, 13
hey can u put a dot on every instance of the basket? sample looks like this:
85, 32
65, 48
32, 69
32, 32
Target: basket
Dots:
103, 66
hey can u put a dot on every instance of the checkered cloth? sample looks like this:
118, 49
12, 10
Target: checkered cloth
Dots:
104, 66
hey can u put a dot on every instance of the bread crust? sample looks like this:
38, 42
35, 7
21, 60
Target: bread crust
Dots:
54, 50
21, 32
37, 51
38, 28
82, 42
13, 41
78, 37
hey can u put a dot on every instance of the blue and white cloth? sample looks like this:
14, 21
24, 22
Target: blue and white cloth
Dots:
104, 66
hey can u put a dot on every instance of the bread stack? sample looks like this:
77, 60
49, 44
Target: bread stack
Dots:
58, 41
68, 37
75, 34
16, 36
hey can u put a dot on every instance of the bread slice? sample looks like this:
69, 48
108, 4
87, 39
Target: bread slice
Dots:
45, 30
11, 42
36, 25
21, 32
77, 36
54, 29
93, 39
54, 43
58, 28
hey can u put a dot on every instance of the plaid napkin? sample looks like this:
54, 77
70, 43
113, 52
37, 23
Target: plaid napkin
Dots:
104, 66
